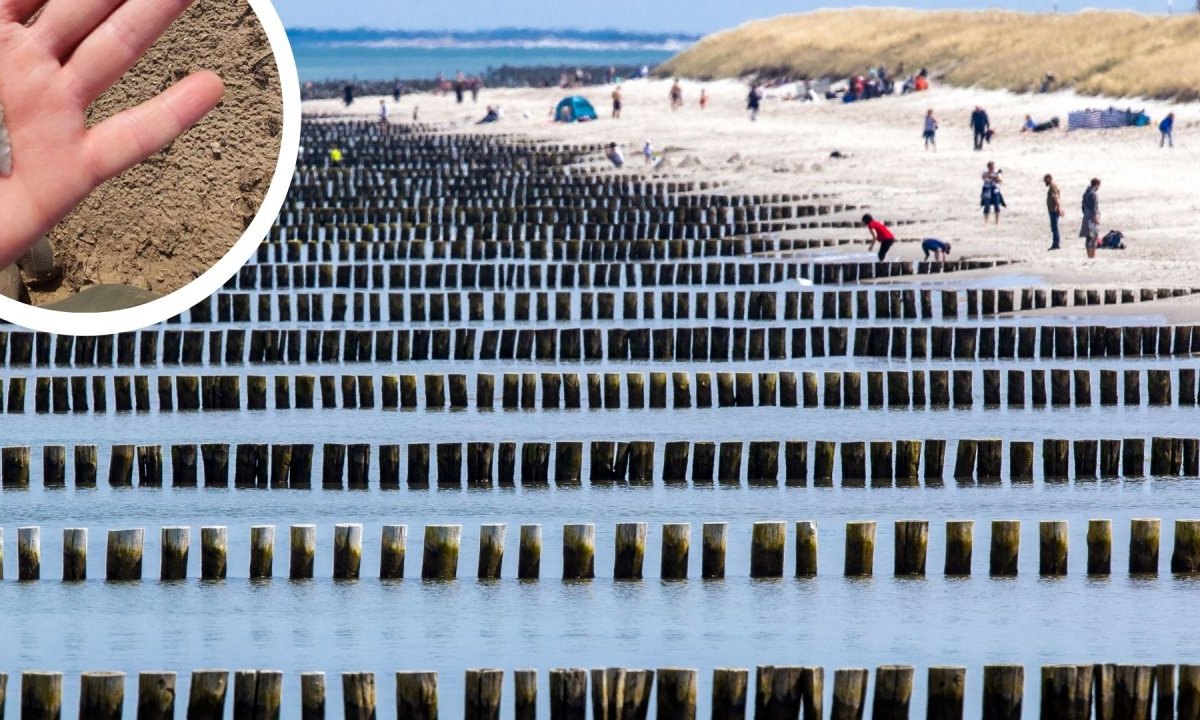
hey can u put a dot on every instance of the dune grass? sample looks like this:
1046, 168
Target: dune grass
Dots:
1121, 54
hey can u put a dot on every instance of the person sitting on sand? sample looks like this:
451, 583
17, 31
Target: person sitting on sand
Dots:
616, 103
921, 81
937, 248
879, 234
931, 127
990, 197
1029, 125
615, 155
493, 115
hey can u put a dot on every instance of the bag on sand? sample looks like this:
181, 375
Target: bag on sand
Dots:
1114, 240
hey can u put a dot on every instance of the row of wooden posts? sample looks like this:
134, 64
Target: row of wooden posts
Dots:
711, 343
893, 389
295, 251
779, 692
441, 545
543, 275
566, 305
904, 463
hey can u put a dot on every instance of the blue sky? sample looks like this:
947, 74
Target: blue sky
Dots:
685, 16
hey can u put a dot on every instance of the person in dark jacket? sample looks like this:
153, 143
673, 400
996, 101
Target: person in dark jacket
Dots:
1167, 128
981, 125
1090, 230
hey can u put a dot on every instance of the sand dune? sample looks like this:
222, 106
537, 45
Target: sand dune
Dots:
1148, 193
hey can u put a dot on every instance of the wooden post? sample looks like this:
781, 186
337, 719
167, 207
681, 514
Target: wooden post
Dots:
347, 551
174, 553
482, 694
960, 539
1003, 691
1067, 691
491, 551
529, 557
579, 552
1006, 542
777, 694
1132, 685
893, 692
1052, 544
214, 548
676, 692
568, 694
262, 551
911, 545
676, 543
440, 552
156, 696
1099, 541
358, 695
101, 695
124, 560
947, 690
630, 551
729, 687
257, 694
1185, 558
29, 553
849, 693
312, 696
766, 549
525, 694
393, 543
74, 554
860, 549
713, 541
41, 695
206, 698
1164, 692
1143, 545
806, 548
303, 542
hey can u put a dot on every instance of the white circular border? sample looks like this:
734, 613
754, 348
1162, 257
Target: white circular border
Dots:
179, 301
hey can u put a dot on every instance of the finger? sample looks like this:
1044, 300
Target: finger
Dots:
117, 43
19, 11
128, 138
65, 23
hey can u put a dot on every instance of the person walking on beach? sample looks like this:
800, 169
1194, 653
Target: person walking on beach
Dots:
980, 124
348, 94
703, 98
1167, 128
935, 247
648, 152
616, 100
990, 197
676, 95
1090, 230
753, 101
460, 87
383, 113
397, 91
1054, 207
879, 234
931, 127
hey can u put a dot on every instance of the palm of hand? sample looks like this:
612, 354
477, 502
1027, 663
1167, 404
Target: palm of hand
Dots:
54, 69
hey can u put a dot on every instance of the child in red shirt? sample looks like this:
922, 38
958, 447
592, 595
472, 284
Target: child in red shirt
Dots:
880, 234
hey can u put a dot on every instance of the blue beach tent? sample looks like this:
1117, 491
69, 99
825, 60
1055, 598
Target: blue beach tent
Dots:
574, 109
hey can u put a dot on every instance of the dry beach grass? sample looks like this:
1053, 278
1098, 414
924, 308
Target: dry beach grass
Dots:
1119, 54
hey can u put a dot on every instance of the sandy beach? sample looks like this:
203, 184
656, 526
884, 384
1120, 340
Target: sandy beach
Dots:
1147, 192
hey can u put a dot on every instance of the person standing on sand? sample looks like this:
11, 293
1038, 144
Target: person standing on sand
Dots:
616, 100
990, 198
397, 91
648, 152
980, 124
1090, 230
383, 113
931, 127
879, 234
1167, 128
703, 98
348, 94
1054, 207
676, 95
754, 101
460, 87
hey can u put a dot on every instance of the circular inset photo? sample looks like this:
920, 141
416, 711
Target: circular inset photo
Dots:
145, 150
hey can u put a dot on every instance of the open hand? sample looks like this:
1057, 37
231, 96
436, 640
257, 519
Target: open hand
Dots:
50, 72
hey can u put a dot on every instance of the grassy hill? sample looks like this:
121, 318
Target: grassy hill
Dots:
1122, 54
